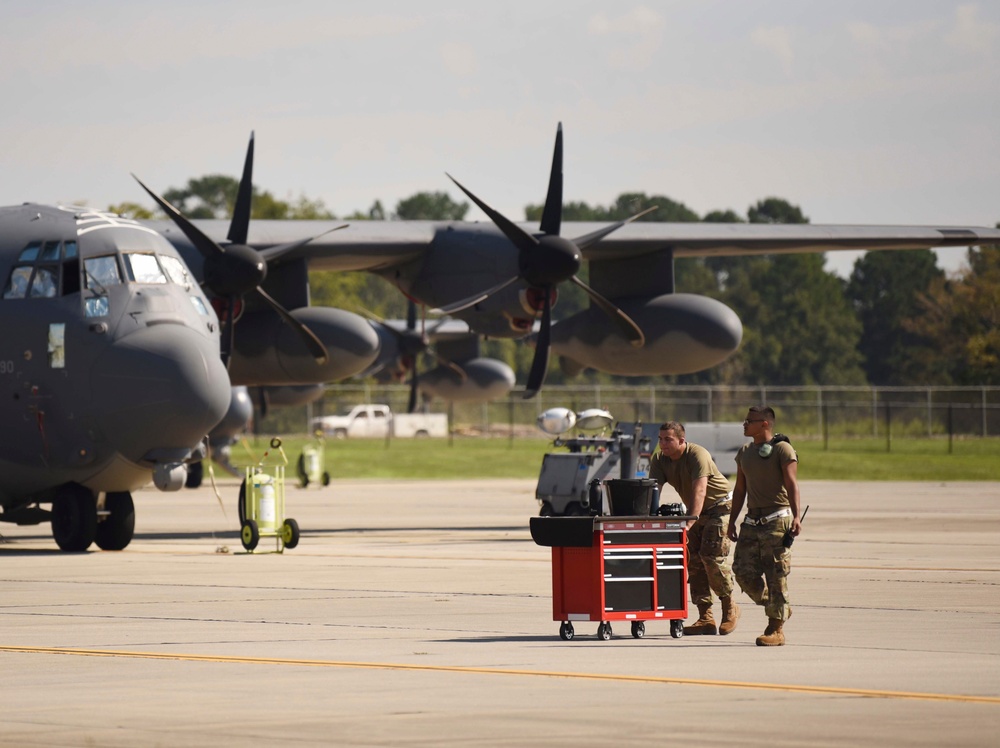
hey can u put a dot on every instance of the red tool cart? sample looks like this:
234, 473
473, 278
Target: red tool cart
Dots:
615, 568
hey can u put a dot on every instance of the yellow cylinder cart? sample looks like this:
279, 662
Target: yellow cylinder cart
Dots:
262, 504
311, 467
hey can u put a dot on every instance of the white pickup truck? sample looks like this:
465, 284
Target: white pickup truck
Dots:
378, 421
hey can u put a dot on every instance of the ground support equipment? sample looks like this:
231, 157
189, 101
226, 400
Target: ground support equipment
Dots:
311, 465
616, 568
262, 504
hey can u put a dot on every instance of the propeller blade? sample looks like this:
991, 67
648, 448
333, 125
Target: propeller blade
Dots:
459, 371
590, 239
411, 406
226, 338
272, 254
314, 344
624, 323
263, 401
208, 248
458, 306
240, 225
411, 315
518, 236
552, 212
540, 364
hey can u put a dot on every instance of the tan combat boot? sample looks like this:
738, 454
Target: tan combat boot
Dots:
730, 615
773, 635
705, 623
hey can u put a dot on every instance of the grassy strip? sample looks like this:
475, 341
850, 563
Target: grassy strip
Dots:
475, 457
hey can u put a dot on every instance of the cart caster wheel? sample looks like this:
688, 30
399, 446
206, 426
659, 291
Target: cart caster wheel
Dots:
604, 631
290, 533
677, 629
638, 629
326, 479
249, 535
566, 631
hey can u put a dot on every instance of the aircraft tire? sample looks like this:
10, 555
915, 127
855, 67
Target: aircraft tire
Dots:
196, 473
300, 469
241, 510
115, 531
249, 535
290, 533
74, 518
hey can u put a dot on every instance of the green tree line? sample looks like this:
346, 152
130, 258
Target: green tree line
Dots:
898, 319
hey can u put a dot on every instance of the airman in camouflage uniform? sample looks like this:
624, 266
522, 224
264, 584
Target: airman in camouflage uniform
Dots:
692, 472
767, 481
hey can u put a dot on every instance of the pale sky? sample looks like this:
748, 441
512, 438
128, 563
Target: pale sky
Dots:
883, 112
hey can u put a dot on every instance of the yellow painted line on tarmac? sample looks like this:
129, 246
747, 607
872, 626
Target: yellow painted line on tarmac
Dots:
791, 688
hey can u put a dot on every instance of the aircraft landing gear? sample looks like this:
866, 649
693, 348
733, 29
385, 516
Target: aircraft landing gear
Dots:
74, 518
115, 530
196, 473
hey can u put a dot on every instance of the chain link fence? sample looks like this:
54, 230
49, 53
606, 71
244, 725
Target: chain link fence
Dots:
815, 412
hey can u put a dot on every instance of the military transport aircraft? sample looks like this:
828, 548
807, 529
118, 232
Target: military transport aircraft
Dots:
462, 373
110, 368
502, 278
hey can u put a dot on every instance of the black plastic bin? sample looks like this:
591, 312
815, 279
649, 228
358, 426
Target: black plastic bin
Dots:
630, 496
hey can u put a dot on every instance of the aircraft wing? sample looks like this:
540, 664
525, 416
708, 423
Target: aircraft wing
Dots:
375, 245
732, 239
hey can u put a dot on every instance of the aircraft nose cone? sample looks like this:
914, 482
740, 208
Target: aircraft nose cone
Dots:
159, 388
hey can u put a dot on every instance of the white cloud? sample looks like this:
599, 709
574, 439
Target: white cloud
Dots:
778, 41
460, 59
639, 33
972, 33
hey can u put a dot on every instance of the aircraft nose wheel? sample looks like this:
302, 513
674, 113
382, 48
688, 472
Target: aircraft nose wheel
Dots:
638, 629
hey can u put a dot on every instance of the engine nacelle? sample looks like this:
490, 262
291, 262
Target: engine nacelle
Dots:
268, 351
486, 379
236, 418
684, 333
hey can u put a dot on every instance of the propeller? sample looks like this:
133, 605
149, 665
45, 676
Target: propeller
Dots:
411, 344
237, 270
544, 261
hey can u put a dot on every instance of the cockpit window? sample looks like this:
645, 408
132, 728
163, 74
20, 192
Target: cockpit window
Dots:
45, 270
143, 268
101, 272
45, 283
50, 251
17, 284
30, 253
176, 270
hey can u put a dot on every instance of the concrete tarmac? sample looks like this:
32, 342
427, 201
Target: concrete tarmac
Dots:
420, 614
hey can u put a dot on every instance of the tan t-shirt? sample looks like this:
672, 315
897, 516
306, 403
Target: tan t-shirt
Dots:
694, 463
765, 480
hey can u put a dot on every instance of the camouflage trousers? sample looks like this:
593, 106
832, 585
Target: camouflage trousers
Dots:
762, 565
708, 560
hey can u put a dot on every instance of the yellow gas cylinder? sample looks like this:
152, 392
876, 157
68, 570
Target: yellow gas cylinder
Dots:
312, 464
266, 508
